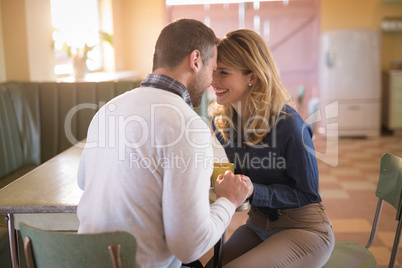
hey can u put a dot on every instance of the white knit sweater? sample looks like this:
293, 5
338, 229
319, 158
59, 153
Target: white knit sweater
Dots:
146, 169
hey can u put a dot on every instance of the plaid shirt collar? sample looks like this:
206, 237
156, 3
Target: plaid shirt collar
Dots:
169, 84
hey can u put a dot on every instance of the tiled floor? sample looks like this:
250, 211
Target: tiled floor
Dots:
348, 192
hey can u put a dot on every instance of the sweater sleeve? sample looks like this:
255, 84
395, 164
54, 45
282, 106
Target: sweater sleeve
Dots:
192, 226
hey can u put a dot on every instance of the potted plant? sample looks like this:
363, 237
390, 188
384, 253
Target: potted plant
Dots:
78, 50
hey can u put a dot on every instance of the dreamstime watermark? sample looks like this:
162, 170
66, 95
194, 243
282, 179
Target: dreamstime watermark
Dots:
129, 133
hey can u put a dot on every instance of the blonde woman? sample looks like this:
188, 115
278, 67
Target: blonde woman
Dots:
270, 143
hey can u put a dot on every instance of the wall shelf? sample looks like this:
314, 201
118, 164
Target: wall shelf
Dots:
104, 76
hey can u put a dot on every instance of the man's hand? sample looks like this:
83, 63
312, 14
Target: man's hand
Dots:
236, 188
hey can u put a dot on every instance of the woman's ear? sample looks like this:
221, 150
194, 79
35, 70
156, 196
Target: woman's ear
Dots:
195, 61
253, 79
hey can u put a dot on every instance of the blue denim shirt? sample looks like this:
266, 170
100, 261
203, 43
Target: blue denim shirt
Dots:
283, 169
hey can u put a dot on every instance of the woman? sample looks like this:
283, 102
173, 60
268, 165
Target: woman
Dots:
270, 143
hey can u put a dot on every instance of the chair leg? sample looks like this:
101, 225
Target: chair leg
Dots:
28, 252
395, 247
114, 250
375, 222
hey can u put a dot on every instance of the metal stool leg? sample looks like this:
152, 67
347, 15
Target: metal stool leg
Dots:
12, 236
218, 253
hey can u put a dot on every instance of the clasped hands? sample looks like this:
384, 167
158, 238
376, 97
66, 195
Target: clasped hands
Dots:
237, 188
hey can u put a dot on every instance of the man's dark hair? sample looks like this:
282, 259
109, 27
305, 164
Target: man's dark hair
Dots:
181, 37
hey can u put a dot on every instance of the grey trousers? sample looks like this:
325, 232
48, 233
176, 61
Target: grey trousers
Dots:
300, 238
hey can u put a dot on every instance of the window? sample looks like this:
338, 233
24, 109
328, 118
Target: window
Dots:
76, 34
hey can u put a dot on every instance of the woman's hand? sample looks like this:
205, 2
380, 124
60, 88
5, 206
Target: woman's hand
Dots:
249, 184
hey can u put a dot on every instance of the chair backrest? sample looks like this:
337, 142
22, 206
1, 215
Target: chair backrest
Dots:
66, 249
389, 186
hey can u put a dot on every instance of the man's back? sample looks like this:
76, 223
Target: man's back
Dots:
148, 173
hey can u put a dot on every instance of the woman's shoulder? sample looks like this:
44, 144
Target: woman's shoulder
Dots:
290, 120
289, 114
288, 109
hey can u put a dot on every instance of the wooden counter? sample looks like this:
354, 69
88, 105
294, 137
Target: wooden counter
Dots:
46, 198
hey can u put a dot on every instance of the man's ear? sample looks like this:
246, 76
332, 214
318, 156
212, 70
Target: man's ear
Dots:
195, 61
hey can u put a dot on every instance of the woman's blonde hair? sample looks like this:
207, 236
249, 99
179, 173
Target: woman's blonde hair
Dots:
247, 51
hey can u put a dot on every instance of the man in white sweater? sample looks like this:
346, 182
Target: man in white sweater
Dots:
148, 160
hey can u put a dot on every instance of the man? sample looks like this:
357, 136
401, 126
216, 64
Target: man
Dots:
148, 160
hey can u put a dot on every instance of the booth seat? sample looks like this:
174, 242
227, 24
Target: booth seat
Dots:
38, 120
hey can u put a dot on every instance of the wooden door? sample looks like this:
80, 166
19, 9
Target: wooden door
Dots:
291, 31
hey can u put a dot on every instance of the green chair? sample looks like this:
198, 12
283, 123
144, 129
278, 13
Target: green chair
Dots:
49, 249
351, 254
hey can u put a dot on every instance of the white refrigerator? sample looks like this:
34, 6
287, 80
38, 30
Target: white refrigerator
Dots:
350, 77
